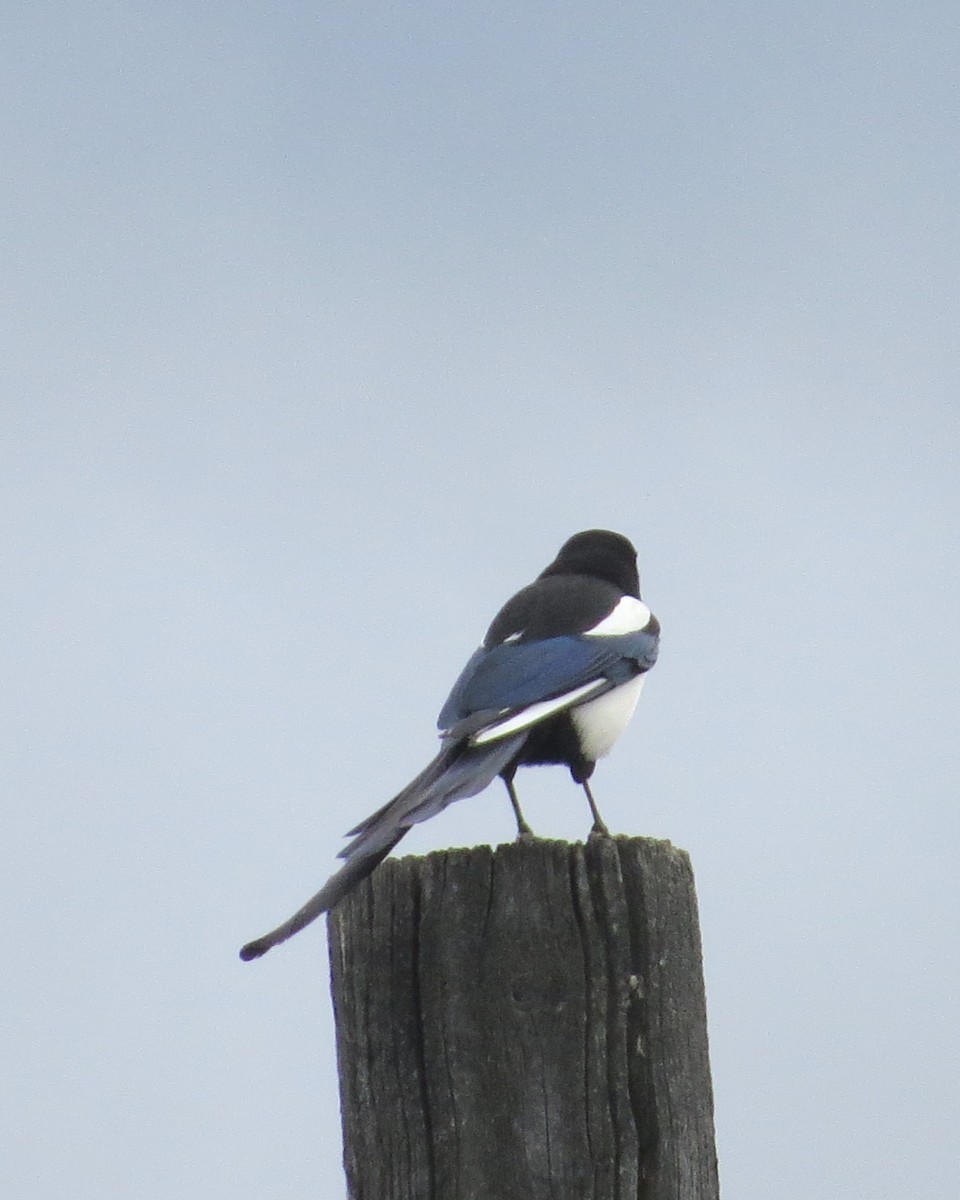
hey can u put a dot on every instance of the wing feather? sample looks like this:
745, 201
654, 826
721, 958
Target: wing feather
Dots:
515, 685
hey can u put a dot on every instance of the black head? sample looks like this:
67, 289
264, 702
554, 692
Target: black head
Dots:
599, 553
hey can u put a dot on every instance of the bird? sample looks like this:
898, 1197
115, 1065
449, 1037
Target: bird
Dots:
555, 681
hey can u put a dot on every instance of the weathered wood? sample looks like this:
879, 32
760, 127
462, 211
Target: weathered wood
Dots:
524, 1024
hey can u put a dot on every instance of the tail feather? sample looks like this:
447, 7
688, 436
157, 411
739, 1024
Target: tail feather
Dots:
427, 777
458, 771
332, 892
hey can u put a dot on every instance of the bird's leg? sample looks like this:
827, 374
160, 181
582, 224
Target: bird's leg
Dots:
523, 829
599, 828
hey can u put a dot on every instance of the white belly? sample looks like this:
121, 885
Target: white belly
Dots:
600, 722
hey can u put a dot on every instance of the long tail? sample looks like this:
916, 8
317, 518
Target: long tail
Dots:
458, 771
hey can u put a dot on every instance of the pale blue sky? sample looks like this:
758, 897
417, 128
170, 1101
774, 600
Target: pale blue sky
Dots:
322, 328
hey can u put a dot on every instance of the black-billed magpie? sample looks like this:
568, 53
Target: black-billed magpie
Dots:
556, 681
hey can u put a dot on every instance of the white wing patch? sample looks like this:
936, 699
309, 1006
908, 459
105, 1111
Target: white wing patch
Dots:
533, 714
600, 722
630, 616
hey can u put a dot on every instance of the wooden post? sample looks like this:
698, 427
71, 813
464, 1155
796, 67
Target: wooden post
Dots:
524, 1024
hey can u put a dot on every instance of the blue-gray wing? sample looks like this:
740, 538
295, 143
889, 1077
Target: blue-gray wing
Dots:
515, 675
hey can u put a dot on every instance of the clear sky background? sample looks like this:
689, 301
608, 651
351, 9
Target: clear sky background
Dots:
323, 326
